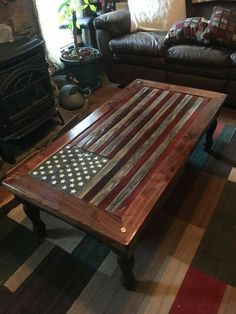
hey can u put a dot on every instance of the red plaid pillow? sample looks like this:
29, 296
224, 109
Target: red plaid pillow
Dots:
175, 34
193, 29
189, 30
222, 27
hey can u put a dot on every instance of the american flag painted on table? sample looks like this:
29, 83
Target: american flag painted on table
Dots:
107, 165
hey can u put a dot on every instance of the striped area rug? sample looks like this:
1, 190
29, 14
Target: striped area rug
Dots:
185, 260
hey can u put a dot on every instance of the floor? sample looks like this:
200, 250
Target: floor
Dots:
185, 261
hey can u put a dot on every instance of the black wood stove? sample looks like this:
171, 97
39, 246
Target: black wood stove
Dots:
26, 96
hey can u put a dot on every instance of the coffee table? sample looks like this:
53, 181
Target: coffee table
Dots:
107, 174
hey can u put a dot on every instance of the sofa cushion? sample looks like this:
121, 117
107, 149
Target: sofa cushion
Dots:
144, 43
232, 74
199, 55
196, 81
199, 70
189, 30
222, 27
135, 59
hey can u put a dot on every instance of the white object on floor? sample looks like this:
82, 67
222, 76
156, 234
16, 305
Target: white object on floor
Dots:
6, 34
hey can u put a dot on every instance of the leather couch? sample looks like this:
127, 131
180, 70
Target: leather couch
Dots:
127, 56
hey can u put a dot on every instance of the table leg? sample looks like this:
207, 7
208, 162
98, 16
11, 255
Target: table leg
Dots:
33, 213
209, 136
126, 265
60, 117
7, 152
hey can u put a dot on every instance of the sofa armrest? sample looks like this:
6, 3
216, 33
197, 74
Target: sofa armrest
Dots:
108, 26
116, 23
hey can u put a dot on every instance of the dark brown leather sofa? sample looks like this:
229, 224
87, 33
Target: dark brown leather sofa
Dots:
127, 56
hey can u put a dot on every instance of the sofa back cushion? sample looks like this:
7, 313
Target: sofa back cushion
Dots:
153, 15
140, 43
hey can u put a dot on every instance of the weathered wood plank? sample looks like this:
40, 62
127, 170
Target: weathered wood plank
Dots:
140, 109
120, 112
123, 155
139, 151
161, 106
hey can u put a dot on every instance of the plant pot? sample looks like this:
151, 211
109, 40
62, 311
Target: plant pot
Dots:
83, 66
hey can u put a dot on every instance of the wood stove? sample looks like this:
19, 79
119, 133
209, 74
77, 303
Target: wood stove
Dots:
26, 97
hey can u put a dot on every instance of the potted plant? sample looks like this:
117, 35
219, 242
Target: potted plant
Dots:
80, 62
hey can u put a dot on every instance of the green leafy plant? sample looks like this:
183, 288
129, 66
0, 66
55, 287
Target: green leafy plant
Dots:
68, 11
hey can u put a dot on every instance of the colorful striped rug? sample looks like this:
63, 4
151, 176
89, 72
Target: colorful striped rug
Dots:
185, 261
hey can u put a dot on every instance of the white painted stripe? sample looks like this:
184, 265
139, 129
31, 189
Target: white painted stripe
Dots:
135, 180
121, 136
126, 148
117, 126
109, 121
142, 150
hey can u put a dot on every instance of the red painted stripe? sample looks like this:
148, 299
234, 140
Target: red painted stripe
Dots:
179, 137
89, 196
199, 294
91, 139
144, 121
128, 122
113, 106
125, 179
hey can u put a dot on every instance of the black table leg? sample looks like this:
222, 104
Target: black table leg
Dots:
33, 213
62, 122
209, 136
7, 152
126, 265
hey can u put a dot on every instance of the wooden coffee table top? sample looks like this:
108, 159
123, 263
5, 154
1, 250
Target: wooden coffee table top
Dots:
107, 173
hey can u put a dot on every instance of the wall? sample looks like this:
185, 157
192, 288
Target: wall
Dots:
121, 5
20, 14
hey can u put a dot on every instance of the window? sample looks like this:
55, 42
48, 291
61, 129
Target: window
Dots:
55, 38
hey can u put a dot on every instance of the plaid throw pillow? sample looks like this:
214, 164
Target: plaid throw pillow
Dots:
193, 29
189, 30
222, 27
175, 34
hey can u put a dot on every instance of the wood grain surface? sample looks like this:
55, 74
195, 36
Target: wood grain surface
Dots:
147, 132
